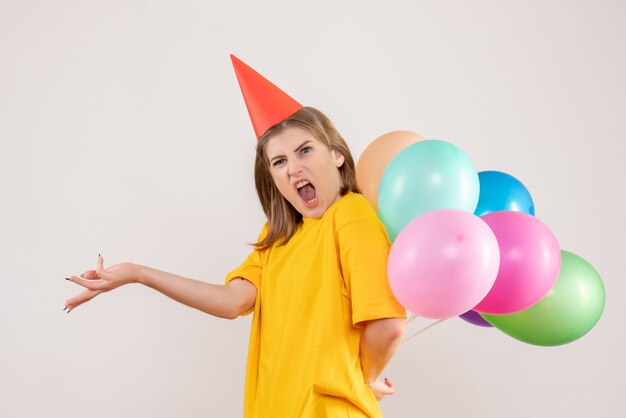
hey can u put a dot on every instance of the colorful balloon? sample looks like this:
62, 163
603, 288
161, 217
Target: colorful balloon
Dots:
474, 318
374, 160
426, 176
502, 191
443, 263
570, 310
530, 259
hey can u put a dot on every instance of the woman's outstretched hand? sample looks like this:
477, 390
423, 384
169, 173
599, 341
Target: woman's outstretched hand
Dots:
101, 280
381, 389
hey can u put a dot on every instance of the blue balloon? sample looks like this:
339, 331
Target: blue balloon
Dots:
501, 191
425, 176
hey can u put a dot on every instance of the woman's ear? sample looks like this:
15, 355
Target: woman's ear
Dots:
339, 158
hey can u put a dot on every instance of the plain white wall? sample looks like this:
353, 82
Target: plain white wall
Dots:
123, 132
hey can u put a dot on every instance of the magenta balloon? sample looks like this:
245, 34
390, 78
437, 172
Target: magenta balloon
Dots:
443, 263
530, 260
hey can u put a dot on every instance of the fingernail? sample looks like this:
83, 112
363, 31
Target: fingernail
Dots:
69, 311
99, 255
82, 276
65, 308
67, 278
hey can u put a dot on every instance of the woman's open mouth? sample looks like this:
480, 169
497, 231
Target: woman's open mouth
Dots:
307, 192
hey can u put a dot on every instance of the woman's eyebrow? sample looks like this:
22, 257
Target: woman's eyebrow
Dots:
296, 150
302, 145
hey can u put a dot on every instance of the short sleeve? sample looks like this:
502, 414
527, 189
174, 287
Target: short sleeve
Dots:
364, 251
252, 267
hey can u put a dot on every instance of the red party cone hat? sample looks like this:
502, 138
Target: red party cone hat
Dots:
266, 103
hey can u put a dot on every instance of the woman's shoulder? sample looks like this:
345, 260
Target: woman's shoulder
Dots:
353, 206
356, 216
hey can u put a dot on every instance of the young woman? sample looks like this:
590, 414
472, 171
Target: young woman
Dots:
325, 321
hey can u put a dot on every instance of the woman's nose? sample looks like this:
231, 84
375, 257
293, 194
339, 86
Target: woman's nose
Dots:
294, 169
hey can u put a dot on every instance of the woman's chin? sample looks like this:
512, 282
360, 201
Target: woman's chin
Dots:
312, 209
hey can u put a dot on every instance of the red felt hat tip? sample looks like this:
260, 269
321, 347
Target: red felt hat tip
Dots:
267, 104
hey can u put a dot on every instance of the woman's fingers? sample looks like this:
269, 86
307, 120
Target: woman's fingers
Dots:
100, 271
94, 274
381, 389
390, 390
89, 284
100, 265
81, 298
90, 274
93, 281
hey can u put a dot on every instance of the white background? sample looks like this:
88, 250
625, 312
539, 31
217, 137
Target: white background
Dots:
123, 132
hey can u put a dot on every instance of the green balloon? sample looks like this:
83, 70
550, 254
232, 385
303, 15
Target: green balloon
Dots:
566, 313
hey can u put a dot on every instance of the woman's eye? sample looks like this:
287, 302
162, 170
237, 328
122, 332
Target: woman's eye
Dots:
305, 150
278, 162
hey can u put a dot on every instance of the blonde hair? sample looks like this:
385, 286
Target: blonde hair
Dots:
282, 217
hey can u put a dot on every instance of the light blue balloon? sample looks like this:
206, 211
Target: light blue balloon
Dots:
425, 176
501, 191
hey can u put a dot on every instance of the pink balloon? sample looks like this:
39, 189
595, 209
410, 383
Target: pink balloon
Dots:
443, 263
530, 260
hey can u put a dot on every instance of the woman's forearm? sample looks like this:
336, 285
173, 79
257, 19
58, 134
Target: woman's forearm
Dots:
379, 342
218, 300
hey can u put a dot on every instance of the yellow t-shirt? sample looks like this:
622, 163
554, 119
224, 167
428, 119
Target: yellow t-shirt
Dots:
312, 295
